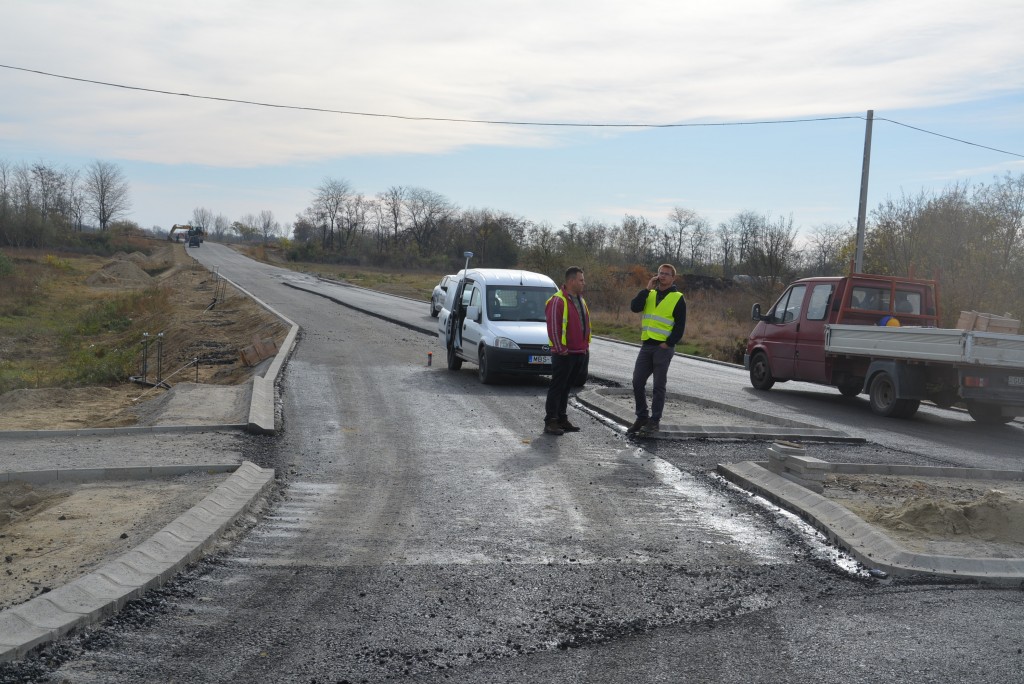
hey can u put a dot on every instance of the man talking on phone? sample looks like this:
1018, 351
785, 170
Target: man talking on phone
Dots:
661, 328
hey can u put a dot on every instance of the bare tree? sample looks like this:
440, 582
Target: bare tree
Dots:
266, 226
771, 253
328, 208
700, 238
634, 238
77, 201
51, 194
202, 218
6, 200
728, 237
221, 226
826, 246
355, 218
393, 209
428, 211
681, 221
106, 192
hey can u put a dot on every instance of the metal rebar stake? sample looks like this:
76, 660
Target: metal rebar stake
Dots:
159, 358
145, 355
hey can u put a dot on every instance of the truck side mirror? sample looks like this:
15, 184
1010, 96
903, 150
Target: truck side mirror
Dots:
473, 313
755, 312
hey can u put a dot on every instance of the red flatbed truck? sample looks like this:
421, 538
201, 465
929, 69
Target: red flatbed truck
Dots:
839, 331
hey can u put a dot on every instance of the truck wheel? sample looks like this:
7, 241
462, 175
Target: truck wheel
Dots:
486, 376
883, 399
851, 389
987, 413
433, 311
760, 372
909, 408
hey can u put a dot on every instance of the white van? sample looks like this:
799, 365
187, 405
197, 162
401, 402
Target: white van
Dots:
494, 318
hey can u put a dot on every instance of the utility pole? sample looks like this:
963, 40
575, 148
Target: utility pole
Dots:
862, 209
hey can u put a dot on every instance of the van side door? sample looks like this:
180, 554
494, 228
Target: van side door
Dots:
780, 331
472, 329
809, 357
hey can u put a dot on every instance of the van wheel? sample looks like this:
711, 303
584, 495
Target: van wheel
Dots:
486, 376
987, 413
883, 400
760, 372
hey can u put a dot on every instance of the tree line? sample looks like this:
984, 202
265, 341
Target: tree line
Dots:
970, 237
40, 205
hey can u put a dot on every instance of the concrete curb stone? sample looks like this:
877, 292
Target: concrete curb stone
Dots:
868, 544
101, 593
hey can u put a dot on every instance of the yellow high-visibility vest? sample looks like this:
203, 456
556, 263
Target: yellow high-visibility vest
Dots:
565, 315
658, 319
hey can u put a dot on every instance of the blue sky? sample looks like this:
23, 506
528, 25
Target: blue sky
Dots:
954, 68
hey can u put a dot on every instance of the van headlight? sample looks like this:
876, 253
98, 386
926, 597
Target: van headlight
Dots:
505, 343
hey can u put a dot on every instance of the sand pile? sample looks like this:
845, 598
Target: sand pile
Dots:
120, 273
995, 517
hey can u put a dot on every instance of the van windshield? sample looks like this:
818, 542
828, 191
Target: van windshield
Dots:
517, 303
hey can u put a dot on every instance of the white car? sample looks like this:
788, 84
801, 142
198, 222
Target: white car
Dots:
440, 290
494, 317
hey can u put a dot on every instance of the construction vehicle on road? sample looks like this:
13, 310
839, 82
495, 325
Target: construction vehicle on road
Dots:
189, 231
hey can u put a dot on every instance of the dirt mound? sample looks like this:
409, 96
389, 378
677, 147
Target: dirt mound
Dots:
120, 273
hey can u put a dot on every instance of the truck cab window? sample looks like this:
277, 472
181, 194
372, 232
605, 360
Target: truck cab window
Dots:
908, 302
869, 299
817, 308
788, 307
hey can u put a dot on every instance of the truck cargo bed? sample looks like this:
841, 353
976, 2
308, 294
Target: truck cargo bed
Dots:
944, 345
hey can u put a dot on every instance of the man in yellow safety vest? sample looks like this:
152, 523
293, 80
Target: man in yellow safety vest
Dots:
661, 328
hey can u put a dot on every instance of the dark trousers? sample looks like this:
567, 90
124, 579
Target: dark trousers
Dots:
563, 370
652, 360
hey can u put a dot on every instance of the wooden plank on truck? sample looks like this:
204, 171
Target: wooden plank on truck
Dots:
986, 322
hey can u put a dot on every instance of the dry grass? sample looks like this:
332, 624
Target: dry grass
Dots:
55, 331
717, 323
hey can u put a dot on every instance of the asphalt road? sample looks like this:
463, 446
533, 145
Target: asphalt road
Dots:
428, 531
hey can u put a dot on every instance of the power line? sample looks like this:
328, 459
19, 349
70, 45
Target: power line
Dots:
949, 137
411, 118
489, 121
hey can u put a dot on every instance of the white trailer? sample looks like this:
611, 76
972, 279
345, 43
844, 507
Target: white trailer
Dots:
905, 364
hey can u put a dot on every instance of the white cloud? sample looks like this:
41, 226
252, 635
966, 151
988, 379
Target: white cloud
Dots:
653, 62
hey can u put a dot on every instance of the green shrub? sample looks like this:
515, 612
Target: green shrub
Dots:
97, 365
6, 266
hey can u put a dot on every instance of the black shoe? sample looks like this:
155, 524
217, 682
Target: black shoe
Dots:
652, 426
551, 427
566, 425
635, 427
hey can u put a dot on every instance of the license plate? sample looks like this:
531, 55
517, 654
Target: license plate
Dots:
1016, 380
540, 359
